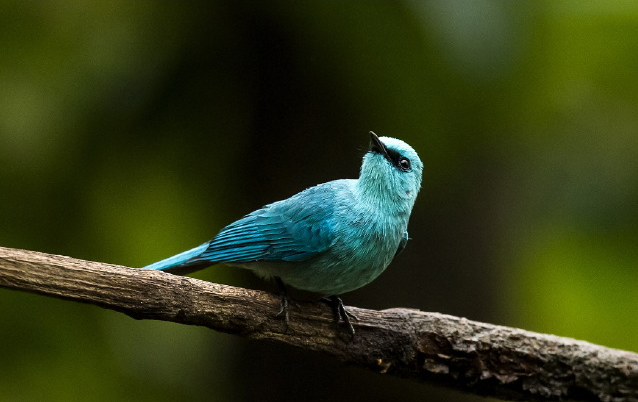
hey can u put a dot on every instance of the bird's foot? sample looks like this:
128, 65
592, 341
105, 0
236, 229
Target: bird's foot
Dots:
283, 309
340, 313
285, 301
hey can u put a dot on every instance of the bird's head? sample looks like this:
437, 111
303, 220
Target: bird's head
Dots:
391, 171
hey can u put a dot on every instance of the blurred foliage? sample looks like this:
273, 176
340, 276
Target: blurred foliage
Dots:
134, 130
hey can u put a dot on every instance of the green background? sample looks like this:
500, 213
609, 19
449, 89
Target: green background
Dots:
130, 131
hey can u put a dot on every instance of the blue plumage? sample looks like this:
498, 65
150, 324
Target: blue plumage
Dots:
331, 238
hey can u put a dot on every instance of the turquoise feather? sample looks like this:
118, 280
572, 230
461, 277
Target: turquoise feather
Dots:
331, 238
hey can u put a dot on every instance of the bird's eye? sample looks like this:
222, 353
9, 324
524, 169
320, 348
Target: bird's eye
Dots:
404, 164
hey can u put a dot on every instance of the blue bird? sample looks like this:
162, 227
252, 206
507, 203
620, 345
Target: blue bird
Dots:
329, 239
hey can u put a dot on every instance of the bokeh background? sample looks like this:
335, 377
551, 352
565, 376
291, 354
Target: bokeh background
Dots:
130, 131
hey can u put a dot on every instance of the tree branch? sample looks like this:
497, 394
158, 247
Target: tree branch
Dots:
475, 357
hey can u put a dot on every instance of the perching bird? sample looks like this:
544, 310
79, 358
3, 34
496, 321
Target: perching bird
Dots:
329, 239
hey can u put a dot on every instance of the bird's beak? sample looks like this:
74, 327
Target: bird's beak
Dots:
377, 146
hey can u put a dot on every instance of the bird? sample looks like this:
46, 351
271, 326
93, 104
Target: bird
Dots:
329, 239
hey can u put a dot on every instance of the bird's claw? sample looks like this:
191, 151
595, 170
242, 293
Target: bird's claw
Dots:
340, 313
285, 302
283, 309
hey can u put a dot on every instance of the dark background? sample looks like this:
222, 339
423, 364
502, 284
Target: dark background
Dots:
130, 131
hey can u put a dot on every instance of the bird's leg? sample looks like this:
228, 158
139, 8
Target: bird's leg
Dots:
285, 301
340, 312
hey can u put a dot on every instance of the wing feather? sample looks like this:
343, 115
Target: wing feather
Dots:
294, 229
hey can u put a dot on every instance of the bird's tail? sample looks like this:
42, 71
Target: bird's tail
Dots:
183, 263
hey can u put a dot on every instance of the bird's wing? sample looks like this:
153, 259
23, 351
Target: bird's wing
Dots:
290, 230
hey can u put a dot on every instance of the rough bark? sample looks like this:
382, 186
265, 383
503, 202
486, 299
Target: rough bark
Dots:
475, 357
